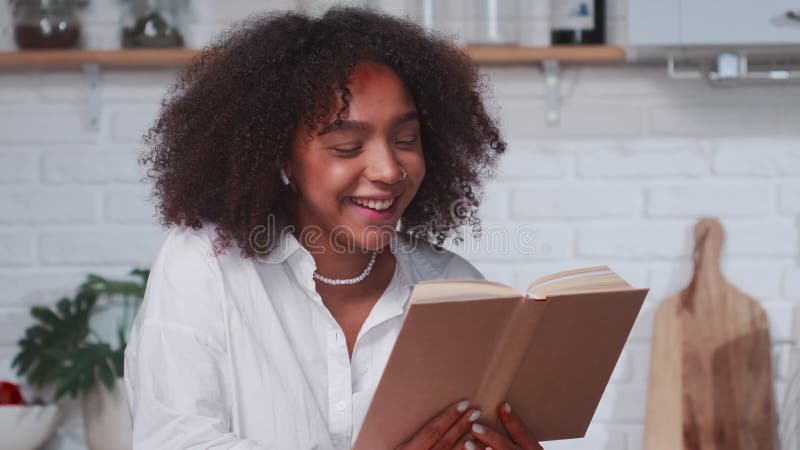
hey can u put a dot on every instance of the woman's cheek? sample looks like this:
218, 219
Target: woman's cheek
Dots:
419, 170
337, 175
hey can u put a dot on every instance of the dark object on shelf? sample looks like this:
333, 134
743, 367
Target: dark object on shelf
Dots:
42, 24
153, 23
151, 31
61, 35
578, 22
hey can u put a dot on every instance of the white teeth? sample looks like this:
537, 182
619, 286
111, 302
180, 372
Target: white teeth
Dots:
378, 205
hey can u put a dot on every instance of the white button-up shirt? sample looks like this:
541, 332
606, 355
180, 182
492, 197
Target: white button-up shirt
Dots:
234, 353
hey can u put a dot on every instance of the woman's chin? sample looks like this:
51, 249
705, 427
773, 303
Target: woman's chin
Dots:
370, 238
375, 240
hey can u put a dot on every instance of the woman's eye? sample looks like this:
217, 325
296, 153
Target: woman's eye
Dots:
409, 142
347, 150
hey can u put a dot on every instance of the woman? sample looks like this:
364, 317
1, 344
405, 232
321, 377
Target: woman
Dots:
336, 154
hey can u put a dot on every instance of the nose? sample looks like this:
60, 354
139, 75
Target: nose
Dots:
384, 166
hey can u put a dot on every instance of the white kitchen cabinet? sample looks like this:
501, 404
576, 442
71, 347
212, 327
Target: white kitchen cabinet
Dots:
712, 22
654, 22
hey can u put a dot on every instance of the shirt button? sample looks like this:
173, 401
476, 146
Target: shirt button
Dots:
362, 370
340, 406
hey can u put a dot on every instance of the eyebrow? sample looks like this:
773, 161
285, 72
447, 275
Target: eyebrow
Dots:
366, 126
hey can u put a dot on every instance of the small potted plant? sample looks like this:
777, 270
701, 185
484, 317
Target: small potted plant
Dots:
61, 350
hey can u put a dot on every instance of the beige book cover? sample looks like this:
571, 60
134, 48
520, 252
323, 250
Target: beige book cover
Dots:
549, 351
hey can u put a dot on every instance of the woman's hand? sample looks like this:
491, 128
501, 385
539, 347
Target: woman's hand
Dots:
448, 430
521, 438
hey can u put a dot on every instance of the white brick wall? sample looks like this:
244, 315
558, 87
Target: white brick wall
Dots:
637, 159
789, 198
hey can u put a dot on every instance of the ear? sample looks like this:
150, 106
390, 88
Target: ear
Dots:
287, 168
289, 179
283, 176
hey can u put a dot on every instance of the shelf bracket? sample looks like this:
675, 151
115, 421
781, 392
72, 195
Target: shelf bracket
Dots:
91, 73
552, 102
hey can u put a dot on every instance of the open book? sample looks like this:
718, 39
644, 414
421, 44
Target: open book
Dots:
550, 352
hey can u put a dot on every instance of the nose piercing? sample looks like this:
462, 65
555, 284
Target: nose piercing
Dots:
405, 174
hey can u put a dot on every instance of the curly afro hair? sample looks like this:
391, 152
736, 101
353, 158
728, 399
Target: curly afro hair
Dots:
227, 125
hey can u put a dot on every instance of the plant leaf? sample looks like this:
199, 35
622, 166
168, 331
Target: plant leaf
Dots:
79, 373
45, 315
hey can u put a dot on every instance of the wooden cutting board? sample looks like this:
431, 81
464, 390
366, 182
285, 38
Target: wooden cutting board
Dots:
710, 381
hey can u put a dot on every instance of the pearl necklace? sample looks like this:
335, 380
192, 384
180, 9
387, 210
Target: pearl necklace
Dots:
354, 280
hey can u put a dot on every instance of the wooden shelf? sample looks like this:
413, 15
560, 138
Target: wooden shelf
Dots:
158, 58
563, 53
119, 59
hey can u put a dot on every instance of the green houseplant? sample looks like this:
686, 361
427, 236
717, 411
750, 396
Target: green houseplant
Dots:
61, 349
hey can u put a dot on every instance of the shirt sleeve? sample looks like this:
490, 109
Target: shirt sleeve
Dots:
175, 362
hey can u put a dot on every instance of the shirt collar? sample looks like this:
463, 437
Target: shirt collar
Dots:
395, 303
285, 246
288, 249
405, 281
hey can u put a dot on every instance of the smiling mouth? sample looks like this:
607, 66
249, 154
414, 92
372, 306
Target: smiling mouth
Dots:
375, 205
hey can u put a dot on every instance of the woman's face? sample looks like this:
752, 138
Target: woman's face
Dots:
362, 159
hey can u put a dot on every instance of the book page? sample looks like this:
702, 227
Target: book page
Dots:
434, 291
587, 279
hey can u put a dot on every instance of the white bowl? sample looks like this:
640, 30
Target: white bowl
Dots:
26, 427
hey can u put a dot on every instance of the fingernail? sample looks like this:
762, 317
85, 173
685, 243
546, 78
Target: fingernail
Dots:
469, 445
478, 428
462, 406
507, 407
473, 416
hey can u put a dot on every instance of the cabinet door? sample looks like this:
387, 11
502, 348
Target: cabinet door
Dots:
654, 22
707, 22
